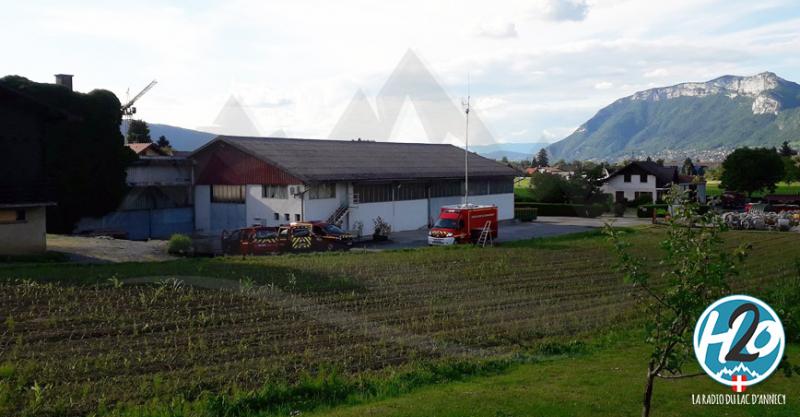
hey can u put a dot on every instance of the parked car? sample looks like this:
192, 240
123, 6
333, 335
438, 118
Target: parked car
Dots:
294, 237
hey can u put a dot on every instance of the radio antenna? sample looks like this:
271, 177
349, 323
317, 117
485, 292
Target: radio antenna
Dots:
466, 104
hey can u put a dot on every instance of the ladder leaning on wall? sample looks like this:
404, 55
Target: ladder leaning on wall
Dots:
486, 235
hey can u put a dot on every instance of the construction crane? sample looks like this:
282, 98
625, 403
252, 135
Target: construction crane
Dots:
127, 109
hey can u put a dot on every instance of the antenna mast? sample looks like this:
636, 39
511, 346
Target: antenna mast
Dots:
466, 144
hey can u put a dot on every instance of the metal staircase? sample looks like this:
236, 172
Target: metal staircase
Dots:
338, 216
485, 236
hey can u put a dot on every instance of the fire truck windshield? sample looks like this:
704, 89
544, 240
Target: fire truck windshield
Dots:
333, 229
446, 224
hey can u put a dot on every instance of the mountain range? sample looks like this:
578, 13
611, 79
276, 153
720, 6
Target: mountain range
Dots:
188, 140
706, 119
181, 139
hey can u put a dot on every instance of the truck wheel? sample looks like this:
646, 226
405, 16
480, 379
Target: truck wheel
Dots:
331, 247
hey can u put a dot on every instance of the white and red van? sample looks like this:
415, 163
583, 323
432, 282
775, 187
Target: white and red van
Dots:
462, 223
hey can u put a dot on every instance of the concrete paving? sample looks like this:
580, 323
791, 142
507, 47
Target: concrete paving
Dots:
512, 230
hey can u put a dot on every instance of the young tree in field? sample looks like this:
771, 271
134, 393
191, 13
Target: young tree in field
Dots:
786, 150
697, 268
749, 170
541, 159
138, 132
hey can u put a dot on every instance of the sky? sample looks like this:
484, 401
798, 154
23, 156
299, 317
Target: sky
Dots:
536, 69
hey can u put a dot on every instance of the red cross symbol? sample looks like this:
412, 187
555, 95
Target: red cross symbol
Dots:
738, 385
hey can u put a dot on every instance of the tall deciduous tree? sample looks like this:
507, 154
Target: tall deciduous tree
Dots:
138, 132
85, 159
696, 273
163, 142
749, 170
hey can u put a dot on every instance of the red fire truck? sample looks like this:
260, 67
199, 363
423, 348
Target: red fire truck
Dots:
462, 223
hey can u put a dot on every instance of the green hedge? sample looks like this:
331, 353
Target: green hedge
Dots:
646, 210
525, 214
568, 210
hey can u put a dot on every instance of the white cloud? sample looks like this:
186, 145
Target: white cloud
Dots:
560, 10
498, 29
656, 73
296, 65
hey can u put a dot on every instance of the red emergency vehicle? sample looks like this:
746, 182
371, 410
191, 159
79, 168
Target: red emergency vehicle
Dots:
462, 223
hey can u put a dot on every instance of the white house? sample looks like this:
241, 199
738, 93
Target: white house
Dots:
647, 178
242, 181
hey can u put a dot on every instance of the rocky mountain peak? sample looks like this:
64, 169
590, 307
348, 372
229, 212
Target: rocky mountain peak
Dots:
758, 87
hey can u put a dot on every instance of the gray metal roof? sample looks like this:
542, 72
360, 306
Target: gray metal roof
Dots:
330, 160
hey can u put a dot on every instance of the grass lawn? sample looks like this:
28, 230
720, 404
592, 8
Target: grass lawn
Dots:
605, 383
522, 189
713, 189
298, 332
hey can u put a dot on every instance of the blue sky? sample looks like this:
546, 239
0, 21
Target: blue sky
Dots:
538, 68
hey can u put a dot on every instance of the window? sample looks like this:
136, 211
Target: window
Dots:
478, 187
301, 232
643, 195
373, 193
501, 186
275, 191
12, 216
643, 178
277, 217
286, 216
227, 193
627, 177
319, 191
297, 217
265, 234
447, 224
411, 191
447, 189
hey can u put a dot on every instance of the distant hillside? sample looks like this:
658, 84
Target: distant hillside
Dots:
690, 119
512, 151
181, 139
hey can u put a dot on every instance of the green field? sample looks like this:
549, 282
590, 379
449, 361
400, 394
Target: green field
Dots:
530, 328
713, 189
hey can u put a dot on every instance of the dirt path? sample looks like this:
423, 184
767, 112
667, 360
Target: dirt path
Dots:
105, 250
343, 320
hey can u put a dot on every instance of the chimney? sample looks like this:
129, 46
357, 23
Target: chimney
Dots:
65, 80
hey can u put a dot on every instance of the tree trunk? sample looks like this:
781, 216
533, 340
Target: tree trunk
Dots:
648, 391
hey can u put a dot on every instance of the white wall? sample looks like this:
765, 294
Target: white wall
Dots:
260, 210
321, 209
25, 237
402, 215
202, 208
630, 189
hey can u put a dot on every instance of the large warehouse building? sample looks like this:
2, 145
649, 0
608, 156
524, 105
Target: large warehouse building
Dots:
270, 181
